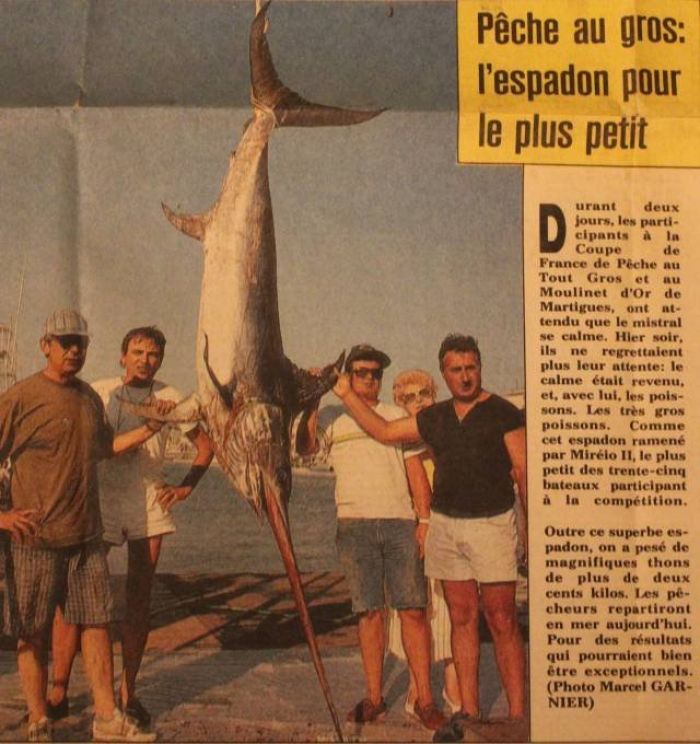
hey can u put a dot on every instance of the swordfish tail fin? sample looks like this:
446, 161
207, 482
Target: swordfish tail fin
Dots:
288, 107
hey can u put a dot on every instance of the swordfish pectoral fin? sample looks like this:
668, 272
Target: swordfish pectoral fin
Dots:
226, 391
309, 387
194, 225
288, 107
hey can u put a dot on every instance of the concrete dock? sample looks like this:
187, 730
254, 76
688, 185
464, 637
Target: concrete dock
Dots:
226, 661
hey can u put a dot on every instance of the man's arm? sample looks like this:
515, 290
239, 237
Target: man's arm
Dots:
131, 440
515, 442
517, 451
307, 440
422, 495
400, 431
170, 495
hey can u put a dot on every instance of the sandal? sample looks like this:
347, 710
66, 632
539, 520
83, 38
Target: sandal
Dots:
136, 711
367, 712
455, 728
431, 718
58, 711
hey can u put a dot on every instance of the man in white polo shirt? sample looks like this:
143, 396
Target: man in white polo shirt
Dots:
376, 537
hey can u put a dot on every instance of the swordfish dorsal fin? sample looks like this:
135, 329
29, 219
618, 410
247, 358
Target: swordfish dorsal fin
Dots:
194, 225
288, 107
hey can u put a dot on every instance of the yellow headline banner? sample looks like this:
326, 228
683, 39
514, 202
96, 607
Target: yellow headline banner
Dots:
586, 82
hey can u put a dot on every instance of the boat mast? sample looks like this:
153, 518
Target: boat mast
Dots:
8, 342
14, 326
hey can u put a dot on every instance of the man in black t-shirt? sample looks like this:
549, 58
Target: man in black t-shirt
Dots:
478, 441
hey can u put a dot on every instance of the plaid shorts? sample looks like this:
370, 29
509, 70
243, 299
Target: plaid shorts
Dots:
39, 579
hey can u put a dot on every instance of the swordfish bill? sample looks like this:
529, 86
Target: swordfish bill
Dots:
248, 391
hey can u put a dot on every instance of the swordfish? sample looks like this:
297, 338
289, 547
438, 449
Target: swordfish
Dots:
248, 391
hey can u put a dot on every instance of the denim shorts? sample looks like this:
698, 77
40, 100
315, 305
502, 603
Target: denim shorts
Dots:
381, 563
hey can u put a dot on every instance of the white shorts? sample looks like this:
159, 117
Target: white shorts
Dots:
134, 515
466, 549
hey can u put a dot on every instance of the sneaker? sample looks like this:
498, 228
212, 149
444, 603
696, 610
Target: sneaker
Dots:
58, 711
40, 730
119, 728
430, 716
367, 712
455, 728
135, 709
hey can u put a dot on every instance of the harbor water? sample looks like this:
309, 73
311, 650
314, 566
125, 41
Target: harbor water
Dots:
218, 531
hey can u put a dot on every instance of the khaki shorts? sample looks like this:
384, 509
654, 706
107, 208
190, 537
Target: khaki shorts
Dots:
466, 549
134, 515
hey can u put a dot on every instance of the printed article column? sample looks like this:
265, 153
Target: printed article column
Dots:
613, 361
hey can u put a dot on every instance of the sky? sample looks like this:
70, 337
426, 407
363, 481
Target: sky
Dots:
381, 236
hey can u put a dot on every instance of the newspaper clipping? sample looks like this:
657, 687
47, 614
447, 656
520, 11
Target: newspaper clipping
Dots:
523, 173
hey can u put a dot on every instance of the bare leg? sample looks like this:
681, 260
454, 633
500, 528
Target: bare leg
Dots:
65, 641
99, 667
500, 612
415, 634
141, 568
371, 634
450, 682
462, 599
33, 674
412, 693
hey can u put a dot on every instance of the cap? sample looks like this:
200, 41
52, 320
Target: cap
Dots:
66, 323
365, 351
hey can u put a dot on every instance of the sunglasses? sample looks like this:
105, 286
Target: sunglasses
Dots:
414, 397
72, 340
364, 372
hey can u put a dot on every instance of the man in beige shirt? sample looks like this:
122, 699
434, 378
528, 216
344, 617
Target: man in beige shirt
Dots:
53, 429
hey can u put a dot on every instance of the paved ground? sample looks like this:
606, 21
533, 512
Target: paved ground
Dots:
226, 662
